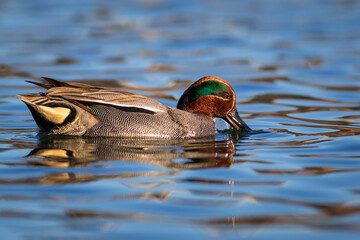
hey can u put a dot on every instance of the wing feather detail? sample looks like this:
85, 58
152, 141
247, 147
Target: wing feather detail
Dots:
88, 95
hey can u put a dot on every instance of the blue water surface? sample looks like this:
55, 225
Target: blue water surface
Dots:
295, 67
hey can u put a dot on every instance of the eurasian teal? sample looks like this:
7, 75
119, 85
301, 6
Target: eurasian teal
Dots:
70, 108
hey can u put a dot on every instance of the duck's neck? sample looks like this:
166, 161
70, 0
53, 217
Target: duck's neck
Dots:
182, 103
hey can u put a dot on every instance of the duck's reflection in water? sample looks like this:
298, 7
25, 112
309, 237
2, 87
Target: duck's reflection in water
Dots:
80, 152
59, 151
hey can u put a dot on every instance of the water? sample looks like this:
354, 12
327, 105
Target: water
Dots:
295, 66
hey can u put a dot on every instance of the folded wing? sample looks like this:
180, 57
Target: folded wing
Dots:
88, 95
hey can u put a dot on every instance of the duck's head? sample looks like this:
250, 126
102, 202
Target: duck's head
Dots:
213, 97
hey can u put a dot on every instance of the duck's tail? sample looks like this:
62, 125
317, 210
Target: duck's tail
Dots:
48, 113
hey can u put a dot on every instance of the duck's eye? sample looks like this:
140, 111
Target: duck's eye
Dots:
227, 95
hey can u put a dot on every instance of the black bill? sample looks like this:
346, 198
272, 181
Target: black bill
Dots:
235, 120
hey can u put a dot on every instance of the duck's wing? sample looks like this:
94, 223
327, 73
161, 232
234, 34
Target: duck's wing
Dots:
91, 95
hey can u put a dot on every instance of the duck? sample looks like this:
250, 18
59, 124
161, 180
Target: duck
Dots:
78, 109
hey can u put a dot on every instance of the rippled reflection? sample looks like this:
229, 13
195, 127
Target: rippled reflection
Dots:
75, 152
330, 128
316, 220
79, 151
